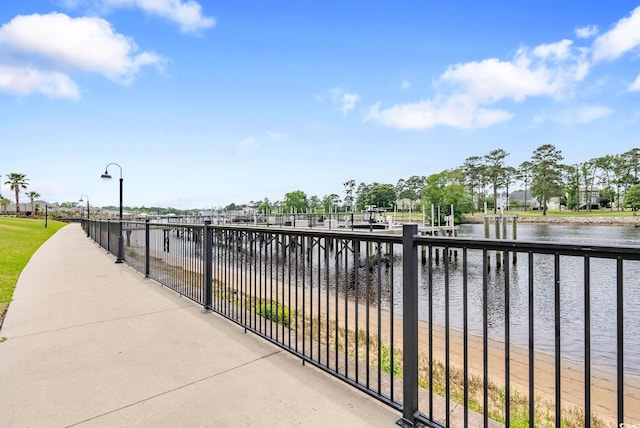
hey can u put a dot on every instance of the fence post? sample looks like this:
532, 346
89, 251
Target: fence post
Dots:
409, 325
147, 268
208, 262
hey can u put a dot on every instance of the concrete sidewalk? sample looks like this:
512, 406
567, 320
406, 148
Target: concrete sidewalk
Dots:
93, 343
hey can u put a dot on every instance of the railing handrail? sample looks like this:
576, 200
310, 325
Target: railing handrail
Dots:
631, 252
254, 266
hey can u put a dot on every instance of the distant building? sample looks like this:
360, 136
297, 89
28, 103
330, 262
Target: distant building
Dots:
521, 199
554, 203
25, 207
211, 213
589, 195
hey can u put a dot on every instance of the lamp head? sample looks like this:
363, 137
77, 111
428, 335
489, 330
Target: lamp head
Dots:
106, 175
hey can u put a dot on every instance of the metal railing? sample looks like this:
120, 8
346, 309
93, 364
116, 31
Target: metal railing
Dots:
427, 325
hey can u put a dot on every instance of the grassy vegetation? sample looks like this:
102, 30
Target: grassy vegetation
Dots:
276, 312
477, 217
519, 404
19, 239
565, 213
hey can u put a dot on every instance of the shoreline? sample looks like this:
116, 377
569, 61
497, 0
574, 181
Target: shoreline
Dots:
557, 220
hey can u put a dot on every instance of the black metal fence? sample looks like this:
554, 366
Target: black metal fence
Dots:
448, 331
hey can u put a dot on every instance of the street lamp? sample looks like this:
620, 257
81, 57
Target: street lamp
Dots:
81, 200
107, 176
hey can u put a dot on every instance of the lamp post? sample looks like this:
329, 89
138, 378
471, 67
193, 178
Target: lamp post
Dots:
81, 200
107, 176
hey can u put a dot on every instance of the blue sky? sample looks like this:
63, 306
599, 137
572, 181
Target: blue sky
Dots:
207, 103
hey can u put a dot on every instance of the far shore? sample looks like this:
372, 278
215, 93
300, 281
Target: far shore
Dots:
554, 218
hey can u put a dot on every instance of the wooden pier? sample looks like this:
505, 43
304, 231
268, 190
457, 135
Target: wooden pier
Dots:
500, 223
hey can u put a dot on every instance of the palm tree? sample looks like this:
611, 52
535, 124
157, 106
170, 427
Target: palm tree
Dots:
4, 202
32, 196
16, 182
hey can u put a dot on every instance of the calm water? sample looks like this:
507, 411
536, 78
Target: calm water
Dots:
602, 298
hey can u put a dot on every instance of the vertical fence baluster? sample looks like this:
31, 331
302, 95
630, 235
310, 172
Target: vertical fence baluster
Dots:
587, 343
507, 341
146, 248
447, 344
356, 270
391, 322
367, 322
327, 245
430, 332
346, 307
620, 338
558, 349
379, 313
485, 340
465, 335
532, 398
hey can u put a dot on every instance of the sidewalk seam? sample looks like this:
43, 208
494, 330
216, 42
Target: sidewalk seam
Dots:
99, 322
62, 293
231, 369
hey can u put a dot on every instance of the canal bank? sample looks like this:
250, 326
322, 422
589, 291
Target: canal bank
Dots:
594, 220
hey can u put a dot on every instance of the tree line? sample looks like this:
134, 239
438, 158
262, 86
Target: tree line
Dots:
483, 179
545, 176
478, 181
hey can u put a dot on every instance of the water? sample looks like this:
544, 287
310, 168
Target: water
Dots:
602, 296
572, 296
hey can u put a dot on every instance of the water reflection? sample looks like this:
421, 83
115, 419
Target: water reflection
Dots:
572, 294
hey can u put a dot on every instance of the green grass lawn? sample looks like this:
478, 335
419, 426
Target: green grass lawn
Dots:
19, 239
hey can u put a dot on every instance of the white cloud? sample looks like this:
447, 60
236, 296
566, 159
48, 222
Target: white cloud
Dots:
538, 120
275, 136
590, 113
586, 32
405, 84
25, 81
623, 37
455, 112
346, 100
582, 115
187, 14
40, 51
247, 145
549, 70
559, 51
465, 92
635, 86
349, 102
